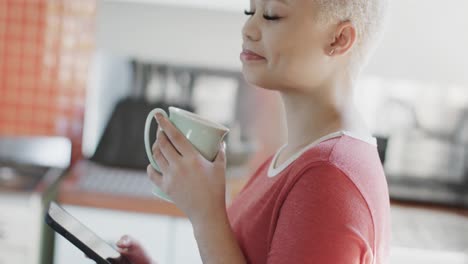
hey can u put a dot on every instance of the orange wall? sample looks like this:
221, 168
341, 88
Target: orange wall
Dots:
45, 50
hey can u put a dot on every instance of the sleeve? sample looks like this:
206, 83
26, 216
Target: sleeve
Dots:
325, 220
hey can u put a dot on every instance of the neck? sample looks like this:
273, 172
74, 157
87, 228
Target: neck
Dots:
320, 111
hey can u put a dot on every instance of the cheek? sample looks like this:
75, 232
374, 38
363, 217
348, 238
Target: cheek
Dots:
293, 61
296, 64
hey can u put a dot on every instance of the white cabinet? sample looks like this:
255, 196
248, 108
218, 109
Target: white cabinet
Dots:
16, 232
167, 240
186, 249
9, 254
151, 230
20, 228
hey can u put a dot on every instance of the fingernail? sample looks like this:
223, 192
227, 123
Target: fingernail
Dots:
124, 241
159, 116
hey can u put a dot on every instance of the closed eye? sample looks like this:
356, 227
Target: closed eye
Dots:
271, 17
249, 13
266, 17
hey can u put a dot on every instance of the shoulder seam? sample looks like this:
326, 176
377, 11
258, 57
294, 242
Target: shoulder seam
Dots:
365, 200
357, 189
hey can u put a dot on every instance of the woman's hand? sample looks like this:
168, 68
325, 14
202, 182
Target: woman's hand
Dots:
131, 252
196, 185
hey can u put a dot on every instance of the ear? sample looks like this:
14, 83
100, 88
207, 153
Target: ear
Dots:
343, 40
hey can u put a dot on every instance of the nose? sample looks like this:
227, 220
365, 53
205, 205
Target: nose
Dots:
250, 31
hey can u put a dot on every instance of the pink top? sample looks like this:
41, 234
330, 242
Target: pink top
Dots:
328, 205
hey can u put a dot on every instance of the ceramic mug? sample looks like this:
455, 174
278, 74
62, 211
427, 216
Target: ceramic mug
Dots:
205, 135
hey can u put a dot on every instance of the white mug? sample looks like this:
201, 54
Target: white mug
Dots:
205, 135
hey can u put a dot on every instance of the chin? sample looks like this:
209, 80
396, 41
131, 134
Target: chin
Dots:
260, 78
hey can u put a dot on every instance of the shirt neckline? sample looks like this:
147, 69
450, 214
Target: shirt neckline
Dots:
272, 171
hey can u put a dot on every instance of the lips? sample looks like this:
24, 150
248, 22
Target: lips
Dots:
248, 55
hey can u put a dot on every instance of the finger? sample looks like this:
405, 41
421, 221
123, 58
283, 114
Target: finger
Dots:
221, 156
181, 144
168, 150
156, 142
158, 130
133, 252
160, 160
125, 241
154, 176
154, 147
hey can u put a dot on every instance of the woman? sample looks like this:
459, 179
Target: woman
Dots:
322, 197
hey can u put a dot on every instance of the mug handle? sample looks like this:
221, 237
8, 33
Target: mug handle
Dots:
157, 191
148, 148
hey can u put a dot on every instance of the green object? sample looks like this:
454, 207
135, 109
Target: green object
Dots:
205, 135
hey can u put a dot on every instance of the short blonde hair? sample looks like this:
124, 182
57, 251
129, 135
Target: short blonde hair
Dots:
368, 17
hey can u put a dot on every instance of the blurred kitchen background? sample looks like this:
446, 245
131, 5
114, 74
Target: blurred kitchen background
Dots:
77, 78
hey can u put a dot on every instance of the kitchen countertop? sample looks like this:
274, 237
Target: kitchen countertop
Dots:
71, 193
427, 206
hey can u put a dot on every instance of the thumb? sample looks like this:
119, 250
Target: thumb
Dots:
221, 156
125, 242
133, 252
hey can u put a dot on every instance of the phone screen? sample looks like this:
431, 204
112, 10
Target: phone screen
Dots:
81, 232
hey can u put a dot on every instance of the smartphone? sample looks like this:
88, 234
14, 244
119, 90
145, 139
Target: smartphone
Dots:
80, 235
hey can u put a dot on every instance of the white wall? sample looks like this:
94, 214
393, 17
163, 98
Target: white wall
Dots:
109, 81
228, 5
173, 34
425, 40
